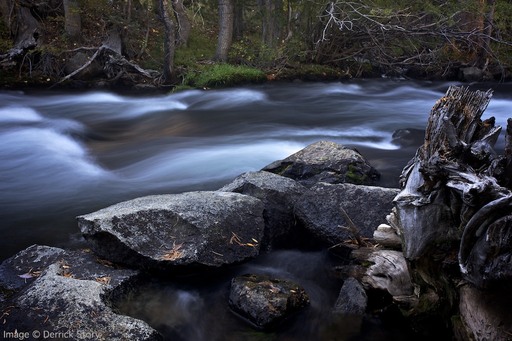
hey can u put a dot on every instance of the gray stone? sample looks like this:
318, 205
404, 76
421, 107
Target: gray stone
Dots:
24, 267
64, 307
319, 210
67, 295
266, 301
278, 195
325, 161
472, 74
352, 299
177, 230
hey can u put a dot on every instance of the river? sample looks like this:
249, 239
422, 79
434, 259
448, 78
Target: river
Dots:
66, 154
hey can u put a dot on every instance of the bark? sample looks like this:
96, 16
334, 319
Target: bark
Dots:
271, 13
225, 38
72, 19
183, 22
26, 35
169, 40
238, 20
6, 12
485, 42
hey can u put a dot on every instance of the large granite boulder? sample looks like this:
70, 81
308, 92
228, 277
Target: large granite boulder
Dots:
59, 294
278, 195
266, 301
320, 212
177, 230
326, 161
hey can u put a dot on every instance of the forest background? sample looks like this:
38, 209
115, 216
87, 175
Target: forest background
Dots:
207, 43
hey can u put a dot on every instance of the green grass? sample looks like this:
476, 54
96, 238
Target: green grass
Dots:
224, 75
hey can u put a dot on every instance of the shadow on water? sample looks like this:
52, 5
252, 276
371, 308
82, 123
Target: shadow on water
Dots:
196, 307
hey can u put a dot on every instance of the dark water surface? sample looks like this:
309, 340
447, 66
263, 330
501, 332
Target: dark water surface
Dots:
66, 154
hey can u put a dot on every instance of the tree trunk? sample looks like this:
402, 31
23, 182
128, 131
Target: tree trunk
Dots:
184, 26
225, 38
5, 10
271, 13
169, 40
26, 31
238, 20
72, 19
488, 8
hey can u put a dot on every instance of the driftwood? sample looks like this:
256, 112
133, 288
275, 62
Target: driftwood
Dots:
454, 216
454, 191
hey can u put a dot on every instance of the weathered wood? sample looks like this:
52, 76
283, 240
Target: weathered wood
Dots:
456, 205
449, 189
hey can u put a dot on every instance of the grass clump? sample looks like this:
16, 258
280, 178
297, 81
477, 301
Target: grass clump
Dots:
224, 75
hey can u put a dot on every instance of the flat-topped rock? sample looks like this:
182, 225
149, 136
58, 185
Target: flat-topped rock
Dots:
177, 230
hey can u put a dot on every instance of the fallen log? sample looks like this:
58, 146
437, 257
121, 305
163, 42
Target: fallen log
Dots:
114, 64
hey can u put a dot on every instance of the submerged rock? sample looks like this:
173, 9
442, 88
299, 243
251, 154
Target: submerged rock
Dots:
328, 162
278, 195
266, 301
162, 231
319, 210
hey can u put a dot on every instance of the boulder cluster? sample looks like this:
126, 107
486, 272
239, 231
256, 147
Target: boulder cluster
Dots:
323, 196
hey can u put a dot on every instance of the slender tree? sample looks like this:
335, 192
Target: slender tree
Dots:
225, 37
272, 14
184, 25
488, 8
169, 40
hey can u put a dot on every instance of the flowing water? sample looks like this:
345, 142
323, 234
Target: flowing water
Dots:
66, 154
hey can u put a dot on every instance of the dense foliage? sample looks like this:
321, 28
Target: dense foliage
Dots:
43, 42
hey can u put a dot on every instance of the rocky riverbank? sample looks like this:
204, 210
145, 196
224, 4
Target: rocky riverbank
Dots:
324, 196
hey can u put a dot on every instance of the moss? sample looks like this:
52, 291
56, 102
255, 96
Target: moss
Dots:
311, 72
355, 176
223, 75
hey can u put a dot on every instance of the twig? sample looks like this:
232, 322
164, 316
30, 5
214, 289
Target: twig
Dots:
101, 48
352, 227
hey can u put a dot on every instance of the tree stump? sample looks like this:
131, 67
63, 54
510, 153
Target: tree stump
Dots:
454, 213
